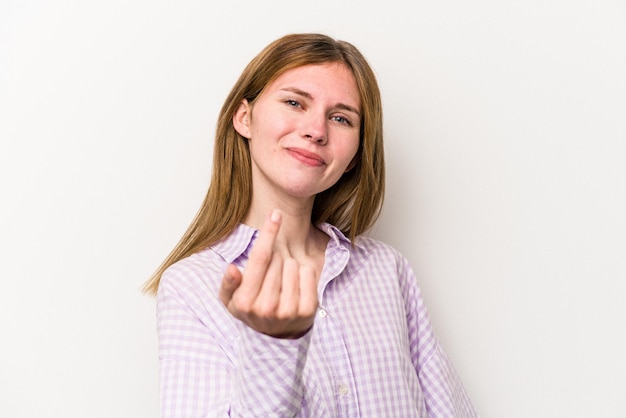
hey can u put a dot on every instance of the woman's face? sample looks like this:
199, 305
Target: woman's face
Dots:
303, 130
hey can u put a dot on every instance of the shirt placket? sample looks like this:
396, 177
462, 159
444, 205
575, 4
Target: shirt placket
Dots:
331, 338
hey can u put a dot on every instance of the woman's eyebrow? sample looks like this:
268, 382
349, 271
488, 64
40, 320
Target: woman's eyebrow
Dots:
348, 108
308, 96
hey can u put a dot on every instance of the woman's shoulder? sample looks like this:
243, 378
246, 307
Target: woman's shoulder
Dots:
210, 263
370, 246
197, 271
380, 256
365, 249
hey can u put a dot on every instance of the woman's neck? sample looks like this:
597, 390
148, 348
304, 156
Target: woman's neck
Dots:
298, 237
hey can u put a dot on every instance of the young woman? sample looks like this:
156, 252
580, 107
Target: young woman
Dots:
274, 304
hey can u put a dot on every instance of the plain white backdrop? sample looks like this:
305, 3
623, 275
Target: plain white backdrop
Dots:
506, 150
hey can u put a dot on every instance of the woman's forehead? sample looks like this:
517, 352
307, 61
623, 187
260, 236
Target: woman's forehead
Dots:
330, 80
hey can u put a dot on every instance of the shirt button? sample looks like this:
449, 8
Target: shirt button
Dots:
323, 313
343, 390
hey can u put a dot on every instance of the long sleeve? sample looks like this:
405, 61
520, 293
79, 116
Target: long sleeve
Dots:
371, 353
213, 365
444, 393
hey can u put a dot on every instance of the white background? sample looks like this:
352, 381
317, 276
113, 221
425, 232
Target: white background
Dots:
505, 141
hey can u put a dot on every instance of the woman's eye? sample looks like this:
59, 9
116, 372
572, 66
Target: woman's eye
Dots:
292, 103
341, 120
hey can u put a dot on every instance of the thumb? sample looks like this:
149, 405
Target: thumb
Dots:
230, 282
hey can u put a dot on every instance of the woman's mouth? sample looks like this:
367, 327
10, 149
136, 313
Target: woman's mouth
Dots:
306, 157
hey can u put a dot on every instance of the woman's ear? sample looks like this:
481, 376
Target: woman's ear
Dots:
241, 119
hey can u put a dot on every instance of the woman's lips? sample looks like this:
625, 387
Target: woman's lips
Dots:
306, 157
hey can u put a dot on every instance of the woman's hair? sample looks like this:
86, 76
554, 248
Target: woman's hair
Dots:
352, 204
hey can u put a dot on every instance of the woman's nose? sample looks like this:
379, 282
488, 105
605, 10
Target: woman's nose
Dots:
314, 128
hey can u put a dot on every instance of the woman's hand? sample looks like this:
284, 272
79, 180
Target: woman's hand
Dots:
274, 295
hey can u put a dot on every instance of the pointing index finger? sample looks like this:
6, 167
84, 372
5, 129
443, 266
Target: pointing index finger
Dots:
261, 253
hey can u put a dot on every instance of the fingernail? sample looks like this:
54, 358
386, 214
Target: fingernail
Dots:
275, 216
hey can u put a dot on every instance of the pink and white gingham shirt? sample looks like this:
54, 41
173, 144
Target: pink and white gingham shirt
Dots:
371, 353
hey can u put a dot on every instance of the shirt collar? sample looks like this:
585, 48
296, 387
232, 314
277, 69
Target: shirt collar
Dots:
243, 236
335, 234
235, 244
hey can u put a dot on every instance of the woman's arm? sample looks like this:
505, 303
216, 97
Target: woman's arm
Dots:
215, 366
444, 393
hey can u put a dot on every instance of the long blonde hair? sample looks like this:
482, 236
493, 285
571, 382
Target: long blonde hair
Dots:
352, 204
